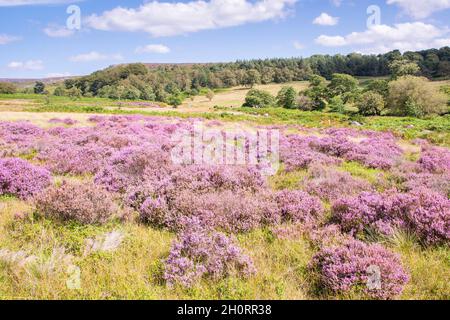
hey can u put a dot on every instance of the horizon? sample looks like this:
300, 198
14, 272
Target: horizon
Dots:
42, 39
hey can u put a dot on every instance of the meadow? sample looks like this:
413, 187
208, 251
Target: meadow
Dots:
92, 207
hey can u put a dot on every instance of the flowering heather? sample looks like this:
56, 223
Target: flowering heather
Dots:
22, 179
296, 153
369, 210
17, 138
422, 212
66, 121
298, 206
374, 152
201, 253
352, 268
330, 184
85, 203
435, 159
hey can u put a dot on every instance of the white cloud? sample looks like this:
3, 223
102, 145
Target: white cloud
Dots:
5, 39
153, 48
337, 3
169, 19
298, 45
420, 9
326, 20
94, 56
26, 65
383, 38
14, 3
55, 31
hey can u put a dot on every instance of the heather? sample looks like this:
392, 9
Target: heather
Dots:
130, 216
356, 267
422, 212
85, 203
199, 252
22, 179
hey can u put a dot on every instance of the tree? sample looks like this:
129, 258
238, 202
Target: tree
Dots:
39, 87
287, 98
379, 86
259, 99
403, 67
175, 100
74, 93
7, 88
343, 85
415, 96
317, 92
371, 104
59, 91
337, 104
252, 77
210, 94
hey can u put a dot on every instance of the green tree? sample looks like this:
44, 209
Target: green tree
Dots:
415, 96
175, 100
379, 86
287, 98
337, 104
74, 93
403, 67
259, 99
39, 87
343, 85
252, 77
371, 103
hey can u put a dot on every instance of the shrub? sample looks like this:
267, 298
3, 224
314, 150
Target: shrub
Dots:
286, 98
355, 267
337, 104
422, 212
259, 99
7, 88
329, 184
201, 253
298, 206
20, 178
371, 104
415, 96
435, 159
85, 203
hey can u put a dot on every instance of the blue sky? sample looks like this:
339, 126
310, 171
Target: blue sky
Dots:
36, 42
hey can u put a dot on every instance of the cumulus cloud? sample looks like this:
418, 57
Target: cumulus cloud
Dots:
153, 48
14, 3
55, 31
326, 20
26, 65
94, 56
383, 38
169, 19
420, 9
5, 39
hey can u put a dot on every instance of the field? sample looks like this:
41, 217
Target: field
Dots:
93, 207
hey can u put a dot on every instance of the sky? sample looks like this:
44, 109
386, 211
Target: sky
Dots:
50, 38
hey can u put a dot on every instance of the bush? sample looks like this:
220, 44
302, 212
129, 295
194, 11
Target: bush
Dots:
7, 88
201, 253
85, 203
287, 98
343, 85
59, 91
337, 104
259, 99
415, 96
422, 212
355, 267
20, 178
39, 87
305, 103
298, 206
371, 104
